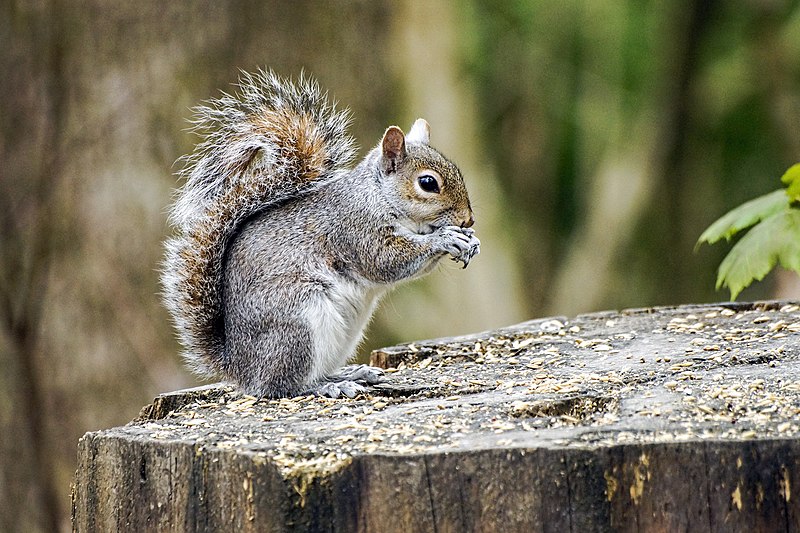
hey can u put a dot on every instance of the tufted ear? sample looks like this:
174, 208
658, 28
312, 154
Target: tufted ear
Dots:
420, 132
393, 146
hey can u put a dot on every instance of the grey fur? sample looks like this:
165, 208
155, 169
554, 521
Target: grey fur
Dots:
282, 254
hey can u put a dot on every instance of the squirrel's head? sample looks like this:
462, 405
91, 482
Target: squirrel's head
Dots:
429, 189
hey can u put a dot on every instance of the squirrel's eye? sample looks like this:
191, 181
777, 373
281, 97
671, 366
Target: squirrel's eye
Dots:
428, 183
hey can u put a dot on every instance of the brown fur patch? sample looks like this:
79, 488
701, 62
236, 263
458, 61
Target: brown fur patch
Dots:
297, 139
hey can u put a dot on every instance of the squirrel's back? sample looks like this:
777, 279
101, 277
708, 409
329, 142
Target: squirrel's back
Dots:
273, 140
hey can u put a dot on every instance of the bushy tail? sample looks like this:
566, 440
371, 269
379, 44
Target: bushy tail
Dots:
271, 141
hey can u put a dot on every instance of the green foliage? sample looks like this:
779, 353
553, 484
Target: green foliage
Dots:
791, 178
744, 216
774, 237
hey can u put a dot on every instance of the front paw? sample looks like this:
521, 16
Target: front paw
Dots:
460, 243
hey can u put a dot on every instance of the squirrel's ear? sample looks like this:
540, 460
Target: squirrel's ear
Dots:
420, 132
394, 148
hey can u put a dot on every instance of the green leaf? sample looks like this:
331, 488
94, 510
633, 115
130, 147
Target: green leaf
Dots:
745, 216
775, 240
791, 178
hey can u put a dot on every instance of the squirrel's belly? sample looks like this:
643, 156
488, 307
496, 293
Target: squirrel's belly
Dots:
337, 318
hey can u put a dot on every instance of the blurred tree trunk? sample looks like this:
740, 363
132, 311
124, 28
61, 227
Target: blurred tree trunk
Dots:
32, 225
429, 60
626, 180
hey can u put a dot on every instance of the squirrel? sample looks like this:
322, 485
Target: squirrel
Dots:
281, 252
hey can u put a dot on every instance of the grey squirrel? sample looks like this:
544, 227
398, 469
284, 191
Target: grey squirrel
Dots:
281, 252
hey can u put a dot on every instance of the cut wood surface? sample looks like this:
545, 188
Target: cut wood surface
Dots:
663, 419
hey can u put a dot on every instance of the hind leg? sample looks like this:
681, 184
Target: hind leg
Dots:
362, 374
348, 381
269, 358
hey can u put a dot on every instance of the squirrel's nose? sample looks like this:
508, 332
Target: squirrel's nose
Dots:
469, 222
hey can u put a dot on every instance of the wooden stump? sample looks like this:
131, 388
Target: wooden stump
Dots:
665, 419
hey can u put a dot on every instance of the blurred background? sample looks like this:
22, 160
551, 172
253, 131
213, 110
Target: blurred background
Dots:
598, 139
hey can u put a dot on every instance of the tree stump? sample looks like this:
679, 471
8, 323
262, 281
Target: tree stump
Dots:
666, 419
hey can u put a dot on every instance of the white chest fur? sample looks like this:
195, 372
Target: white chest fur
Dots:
337, 317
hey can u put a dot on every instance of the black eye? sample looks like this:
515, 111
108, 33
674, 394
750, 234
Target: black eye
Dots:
428, 183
